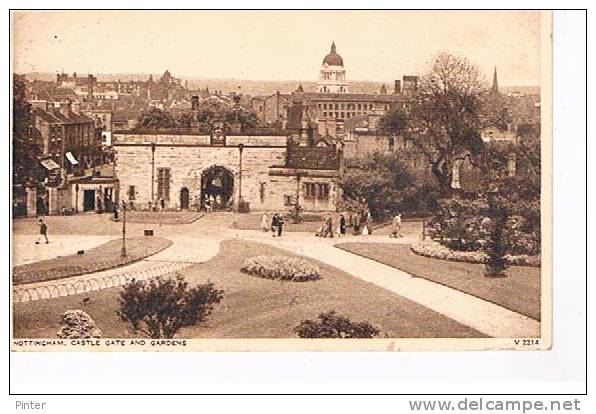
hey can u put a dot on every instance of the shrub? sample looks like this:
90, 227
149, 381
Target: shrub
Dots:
331, 325
78, 324
281, 267
461, 224
159, 308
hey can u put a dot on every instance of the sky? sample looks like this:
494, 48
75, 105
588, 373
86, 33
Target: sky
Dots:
375, 46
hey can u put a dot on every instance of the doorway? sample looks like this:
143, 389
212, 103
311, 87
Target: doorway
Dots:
184, 198
88, 200
217, 188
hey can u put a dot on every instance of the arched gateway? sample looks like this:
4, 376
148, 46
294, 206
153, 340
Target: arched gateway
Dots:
217, 187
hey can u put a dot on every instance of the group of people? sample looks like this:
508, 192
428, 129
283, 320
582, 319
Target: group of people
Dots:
274, 223
361, 223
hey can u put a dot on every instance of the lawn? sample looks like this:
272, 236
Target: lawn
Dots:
254, 307
519, 292
163, 217
102, 257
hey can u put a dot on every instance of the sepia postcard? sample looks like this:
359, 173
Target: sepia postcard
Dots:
281, 180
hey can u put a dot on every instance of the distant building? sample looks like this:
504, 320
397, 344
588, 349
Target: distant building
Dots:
70, 144
332, 77
271, 109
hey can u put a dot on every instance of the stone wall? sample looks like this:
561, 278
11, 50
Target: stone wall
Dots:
189, 156
133, 168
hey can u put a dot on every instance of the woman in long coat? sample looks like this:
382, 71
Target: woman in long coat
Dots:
265, 222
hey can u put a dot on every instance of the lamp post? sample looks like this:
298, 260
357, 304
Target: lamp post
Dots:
240, 150
76, 197
153, 173
123, 249
297, 207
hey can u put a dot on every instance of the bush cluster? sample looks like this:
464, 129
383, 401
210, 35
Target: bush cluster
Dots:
281, 267
331, 325
77, 324
160, 307
465, 225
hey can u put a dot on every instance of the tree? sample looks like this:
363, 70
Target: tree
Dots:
379, 180
24, 148
185, 120
331, 325
156, 118
161, 307
446, 115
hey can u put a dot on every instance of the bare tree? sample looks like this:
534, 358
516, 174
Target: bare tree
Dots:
444, 118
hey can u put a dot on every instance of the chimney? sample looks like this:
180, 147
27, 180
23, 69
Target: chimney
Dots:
194, 103
397, 87
65, 108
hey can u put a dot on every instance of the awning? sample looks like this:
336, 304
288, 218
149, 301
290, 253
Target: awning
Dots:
49, 164
71, 158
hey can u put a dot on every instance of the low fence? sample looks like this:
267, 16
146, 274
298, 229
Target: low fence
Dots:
56, 290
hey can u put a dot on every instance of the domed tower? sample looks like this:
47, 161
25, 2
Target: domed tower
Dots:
332, 78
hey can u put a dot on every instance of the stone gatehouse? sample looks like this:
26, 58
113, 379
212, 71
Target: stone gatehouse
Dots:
192, 171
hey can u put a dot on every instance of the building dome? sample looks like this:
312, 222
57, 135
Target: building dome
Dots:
333, 58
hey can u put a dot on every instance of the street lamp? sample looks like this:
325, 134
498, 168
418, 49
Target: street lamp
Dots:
123, 249
153, 173
240, 149
297, 208
76, 197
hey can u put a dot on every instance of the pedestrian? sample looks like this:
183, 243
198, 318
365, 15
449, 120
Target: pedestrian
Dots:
162, 203
368, 220
280, 224
265, 222
342, 225
357, 224
43, 231
329, 226
99, 205
116, 212
274, 224
396, 223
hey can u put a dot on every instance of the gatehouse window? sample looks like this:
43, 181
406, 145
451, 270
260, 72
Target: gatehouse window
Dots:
131, 193
319, 191
163, 183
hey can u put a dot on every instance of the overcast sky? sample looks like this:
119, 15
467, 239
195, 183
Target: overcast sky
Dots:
377, 46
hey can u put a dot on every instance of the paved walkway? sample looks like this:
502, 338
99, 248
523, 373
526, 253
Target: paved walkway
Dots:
24, 249
184, 252
486, 317
199, 242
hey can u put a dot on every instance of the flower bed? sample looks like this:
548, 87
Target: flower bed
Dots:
281, 267
433, 249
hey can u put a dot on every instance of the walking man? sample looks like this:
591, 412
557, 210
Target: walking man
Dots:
280, 224
329, 225
342, 225
43, 231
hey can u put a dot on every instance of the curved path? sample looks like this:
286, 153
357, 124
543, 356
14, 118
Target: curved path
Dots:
198, 242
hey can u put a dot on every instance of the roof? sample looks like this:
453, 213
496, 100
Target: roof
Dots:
313, 158
358, 121
356, 97
333, 58
55, 117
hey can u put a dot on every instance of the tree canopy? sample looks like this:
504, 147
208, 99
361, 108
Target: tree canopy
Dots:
445, 116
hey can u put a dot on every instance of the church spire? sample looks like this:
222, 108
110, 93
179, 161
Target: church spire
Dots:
495, 88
